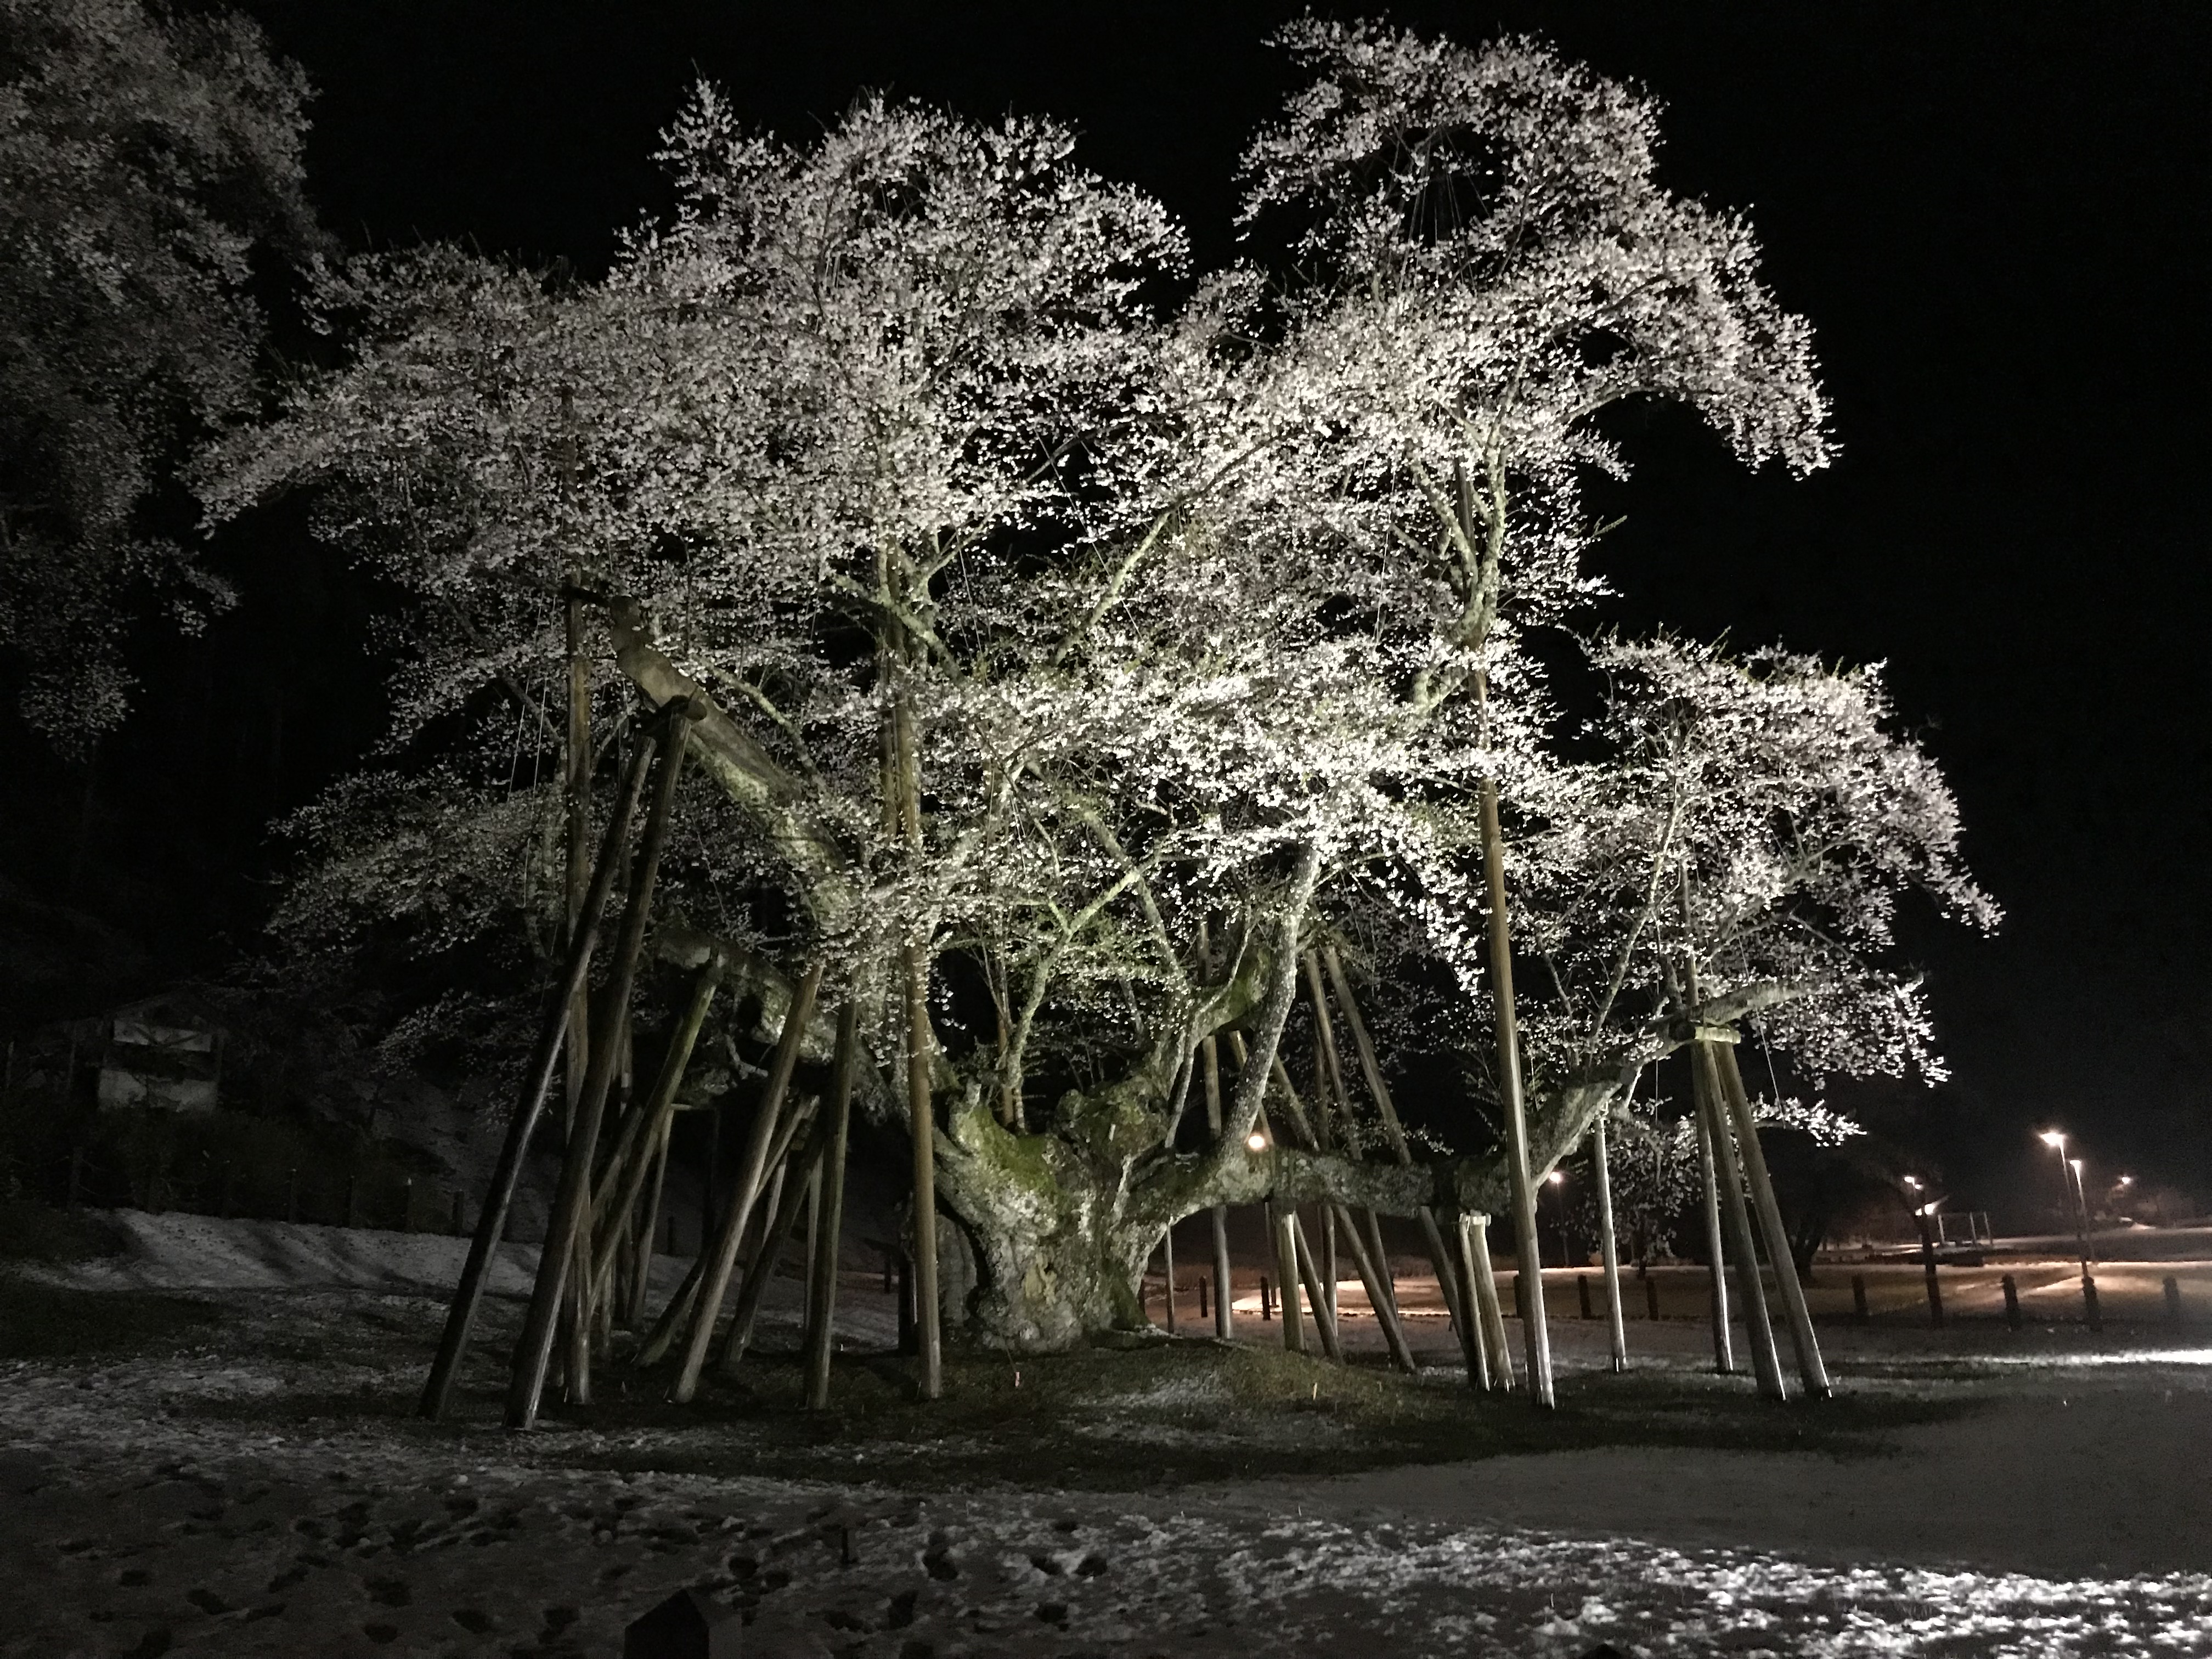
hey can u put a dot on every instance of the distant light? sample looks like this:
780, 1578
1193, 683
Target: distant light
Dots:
2051, 1137
1256, 1141
2076, 1163
1912, 1181
2127, 1181
1930, 1209
1558, 1178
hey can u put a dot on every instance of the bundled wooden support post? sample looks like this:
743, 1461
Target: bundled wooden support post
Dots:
1329, 1088
821, 1286
1708, 1176
1286, 1274
1759, 1330
1811, 1372
1457, 1298
1535, 1336
1606, 1251
781, 1218
1494, 1368
567, 1227
711, 1278
641, 1149
1224, 1320
537, 1082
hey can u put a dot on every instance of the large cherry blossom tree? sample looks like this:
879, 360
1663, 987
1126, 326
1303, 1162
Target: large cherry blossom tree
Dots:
1042, 631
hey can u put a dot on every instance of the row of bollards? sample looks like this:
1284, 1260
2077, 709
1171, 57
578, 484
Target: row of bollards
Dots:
2093, 1314
1862, 1311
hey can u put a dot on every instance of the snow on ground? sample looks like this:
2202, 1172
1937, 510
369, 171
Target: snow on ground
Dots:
191, 1503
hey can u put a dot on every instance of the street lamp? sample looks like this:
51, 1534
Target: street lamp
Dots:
2082, 1209
1555, 1180
2069, 1169
1256, 1141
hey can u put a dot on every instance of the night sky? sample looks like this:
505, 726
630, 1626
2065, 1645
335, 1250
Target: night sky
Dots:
1995, 216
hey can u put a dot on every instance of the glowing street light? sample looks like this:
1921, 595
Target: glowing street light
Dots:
2056, 1140
1553, 1181
1256, 1141
2081, 1207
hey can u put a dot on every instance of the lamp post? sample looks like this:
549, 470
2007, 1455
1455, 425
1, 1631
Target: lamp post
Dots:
1554, 1180
2070, 1171
2082, 1215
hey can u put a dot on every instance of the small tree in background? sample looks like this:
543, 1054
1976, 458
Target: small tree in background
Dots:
143, 157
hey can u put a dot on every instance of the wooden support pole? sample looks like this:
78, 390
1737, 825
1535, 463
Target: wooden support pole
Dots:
1286, 1274
1224, 1318
1324, 1316
786, 1165
1759, 1330
1717, 1292
648, 1226
921, 1127
1375, 1243
718, 1263
1331, 1088
822, 1287
1535, 1334
633, 1162
1377, 1279
1457, 1301
1490, 1312
1167, 1257
814, 1254
1607, 1254
1811, 1372
783, 1220
576, 822
567, 1228
537, 1082
1479, 1376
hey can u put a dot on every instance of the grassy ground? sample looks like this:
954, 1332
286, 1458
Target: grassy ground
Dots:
1189, 1411
1142, 1415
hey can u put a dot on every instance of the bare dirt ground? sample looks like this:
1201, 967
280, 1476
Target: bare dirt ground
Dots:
206, 1449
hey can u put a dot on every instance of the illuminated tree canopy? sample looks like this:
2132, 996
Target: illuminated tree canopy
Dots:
1046, 625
